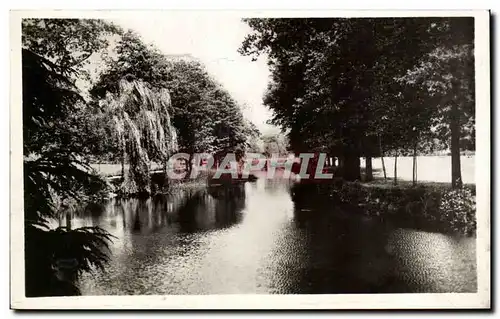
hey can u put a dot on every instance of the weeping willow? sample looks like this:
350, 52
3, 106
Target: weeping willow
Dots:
140, 118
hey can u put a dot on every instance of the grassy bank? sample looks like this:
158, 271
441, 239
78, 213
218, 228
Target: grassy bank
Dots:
429, 168
431, 206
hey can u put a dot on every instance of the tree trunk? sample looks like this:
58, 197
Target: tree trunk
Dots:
68, 221
396, 169
456, 175
369, 169
382, 156
414, 177
166, 180
341, 161
416, 169
352, 167
137, 222
189, 166
123, 164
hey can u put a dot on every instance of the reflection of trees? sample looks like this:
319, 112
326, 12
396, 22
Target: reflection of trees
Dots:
304, 197
123, 211
96, 212
112, 212
187, 214
216, 207
192, 211
86, 215
137, 217
159, 213
346, 253
148, 215
228, 208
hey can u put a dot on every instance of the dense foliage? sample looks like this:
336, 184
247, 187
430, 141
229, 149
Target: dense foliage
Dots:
206, 118
143, 107
57, 176
347, 87
359, 87
275, 144
140, 118
430, 207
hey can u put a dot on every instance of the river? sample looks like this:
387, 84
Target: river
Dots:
249, 238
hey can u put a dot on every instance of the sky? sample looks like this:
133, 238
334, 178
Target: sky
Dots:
214, 40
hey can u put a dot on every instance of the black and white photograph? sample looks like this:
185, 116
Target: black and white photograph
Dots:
261, 160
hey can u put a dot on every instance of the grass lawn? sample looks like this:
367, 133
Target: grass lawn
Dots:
431, 169
435, 169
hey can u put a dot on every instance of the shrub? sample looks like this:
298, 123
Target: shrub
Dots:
458, 208
433, 207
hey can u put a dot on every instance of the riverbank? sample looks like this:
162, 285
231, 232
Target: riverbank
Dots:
159, 185
251, 238
431, 206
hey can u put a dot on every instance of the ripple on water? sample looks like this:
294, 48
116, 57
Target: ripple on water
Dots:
254, 240
434, 262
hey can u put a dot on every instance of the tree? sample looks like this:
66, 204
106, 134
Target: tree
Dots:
323, 80
255, 143
446, 75
67, 43
205, 116
336, 82
275, 144
57, 177
141, 120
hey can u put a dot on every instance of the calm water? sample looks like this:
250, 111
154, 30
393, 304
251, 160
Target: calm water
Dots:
249, 238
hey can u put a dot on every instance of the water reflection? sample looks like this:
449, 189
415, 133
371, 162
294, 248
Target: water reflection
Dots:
346, 254
189, 211
253, 238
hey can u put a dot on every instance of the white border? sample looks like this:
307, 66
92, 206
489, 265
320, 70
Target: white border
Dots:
481, 299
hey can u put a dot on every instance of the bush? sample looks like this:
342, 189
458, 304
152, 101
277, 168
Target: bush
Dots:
458, 209
433, 207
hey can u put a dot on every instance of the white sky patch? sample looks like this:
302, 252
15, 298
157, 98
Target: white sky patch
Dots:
214, 40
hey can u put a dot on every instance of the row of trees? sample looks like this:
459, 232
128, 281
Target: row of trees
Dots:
201, 117
370, 86
142, 107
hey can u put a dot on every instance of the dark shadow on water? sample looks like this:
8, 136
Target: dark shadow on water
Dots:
189, 211
349, 252
216, 208
346, 255
287, 240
